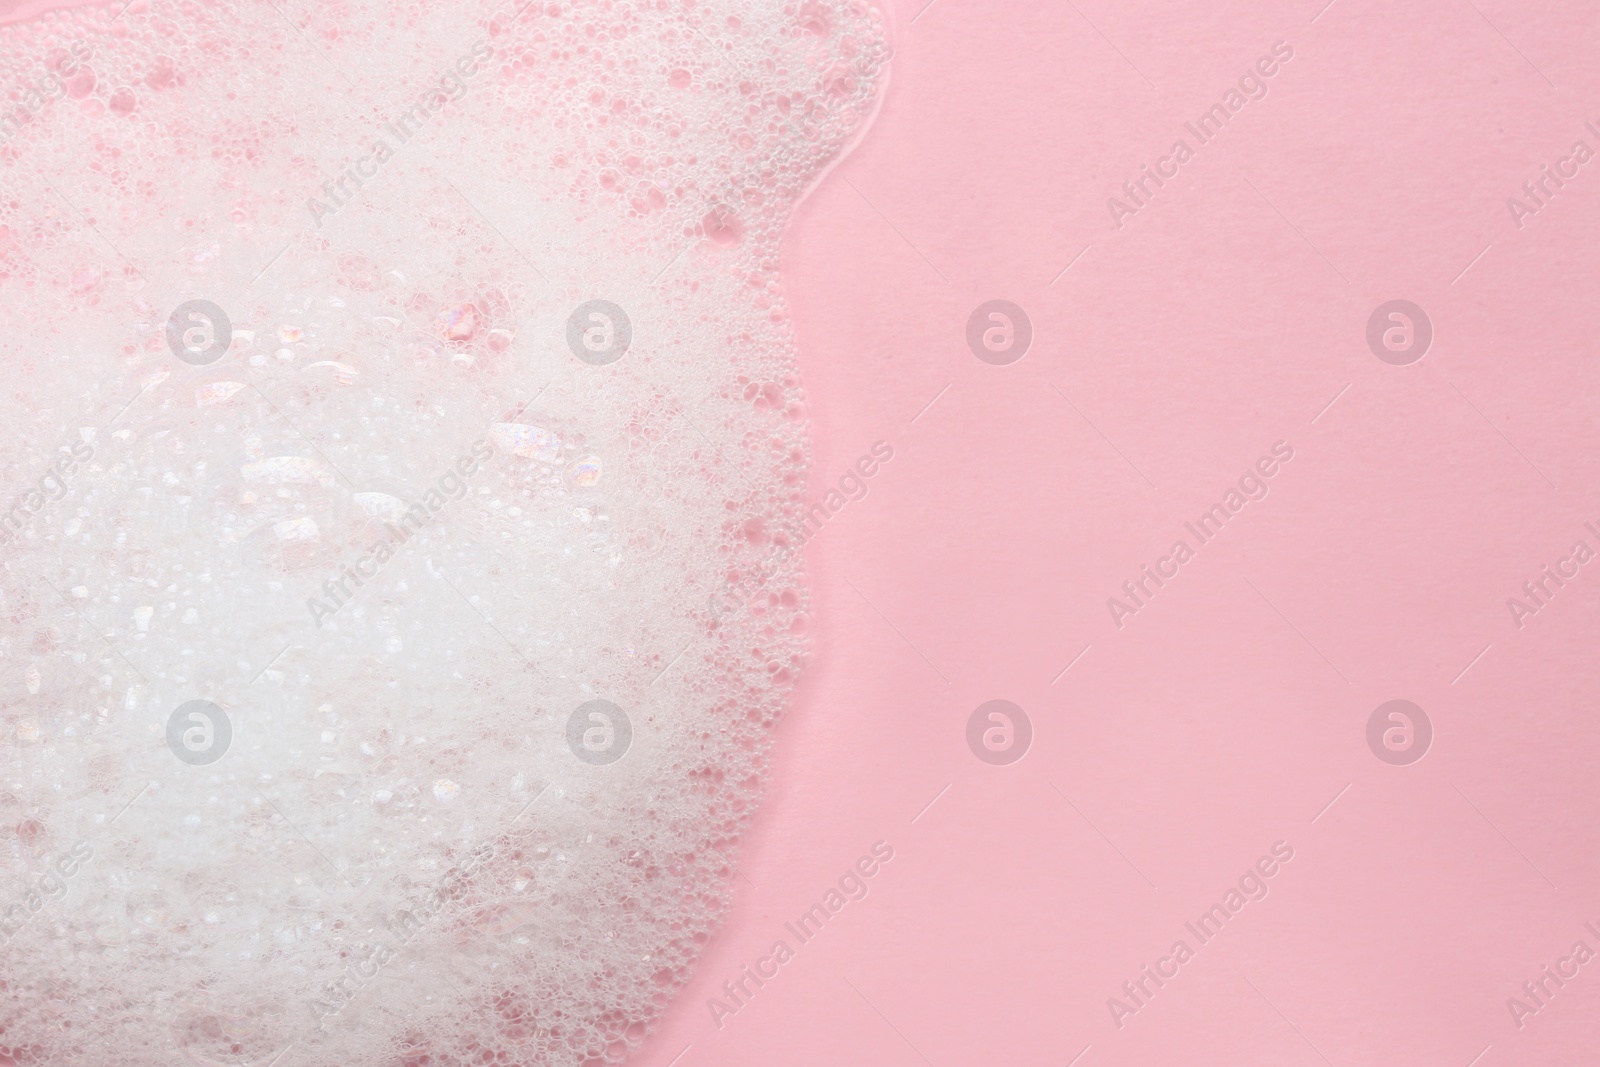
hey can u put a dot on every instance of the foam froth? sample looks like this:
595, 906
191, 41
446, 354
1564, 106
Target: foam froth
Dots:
395, 394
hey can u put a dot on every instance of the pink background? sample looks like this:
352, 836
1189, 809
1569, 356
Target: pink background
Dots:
1221, 318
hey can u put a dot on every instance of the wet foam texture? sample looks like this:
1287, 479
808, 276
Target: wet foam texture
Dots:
400, 444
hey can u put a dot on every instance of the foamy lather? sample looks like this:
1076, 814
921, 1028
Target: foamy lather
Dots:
400, 858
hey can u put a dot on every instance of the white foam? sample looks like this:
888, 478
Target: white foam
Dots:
418, 847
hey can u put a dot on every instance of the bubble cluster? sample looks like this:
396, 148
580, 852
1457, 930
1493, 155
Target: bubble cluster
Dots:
394, 396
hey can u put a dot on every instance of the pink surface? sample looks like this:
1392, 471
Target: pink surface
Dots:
1225, 315
1226, 715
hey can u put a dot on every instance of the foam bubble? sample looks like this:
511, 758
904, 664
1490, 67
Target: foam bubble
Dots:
403, 432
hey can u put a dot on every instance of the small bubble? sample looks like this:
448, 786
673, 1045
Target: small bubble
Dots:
80, 84
288, 470
381, 506
815, 19
529, 442
303, 528
457, 324
586, 472
163, 73
343, 373
722, 227
216, 393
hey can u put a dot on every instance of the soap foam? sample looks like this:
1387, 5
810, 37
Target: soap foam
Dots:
317, 456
